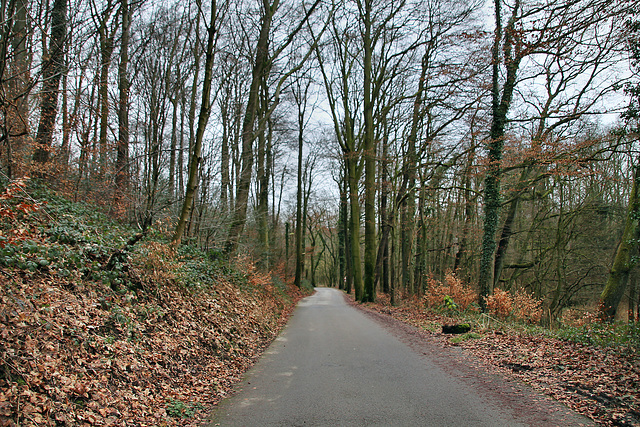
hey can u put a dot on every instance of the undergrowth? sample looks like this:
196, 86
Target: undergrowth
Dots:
42, 233
153, 336
519, 312
622, 336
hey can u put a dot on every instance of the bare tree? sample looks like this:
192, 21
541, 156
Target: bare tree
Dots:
261, 68
122, 146
624, 257
205, 109
15, 78
53, 67
553, 30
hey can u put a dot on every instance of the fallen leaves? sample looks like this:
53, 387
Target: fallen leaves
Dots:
84, 355
601, 383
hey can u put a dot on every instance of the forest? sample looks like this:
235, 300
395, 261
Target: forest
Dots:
377, 147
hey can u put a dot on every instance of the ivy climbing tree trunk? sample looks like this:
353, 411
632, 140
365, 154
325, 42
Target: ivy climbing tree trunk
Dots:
627, 250
628, 247
500, 102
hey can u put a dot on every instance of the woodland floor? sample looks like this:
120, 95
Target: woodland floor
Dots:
600, 383
79, 354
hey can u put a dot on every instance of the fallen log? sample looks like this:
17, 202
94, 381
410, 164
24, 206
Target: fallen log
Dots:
461, 328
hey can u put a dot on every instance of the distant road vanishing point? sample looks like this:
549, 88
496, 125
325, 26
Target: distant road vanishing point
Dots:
335, 365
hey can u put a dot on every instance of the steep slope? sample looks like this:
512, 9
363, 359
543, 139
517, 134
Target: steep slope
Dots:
155, 339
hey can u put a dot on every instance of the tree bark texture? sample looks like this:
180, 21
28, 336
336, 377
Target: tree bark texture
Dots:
122, 147
16, 75
626, 254
499, 109
369, 294
52, 72
205, 109
258, 74
299, 243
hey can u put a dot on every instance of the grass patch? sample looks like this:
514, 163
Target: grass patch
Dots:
465, 337
600, 334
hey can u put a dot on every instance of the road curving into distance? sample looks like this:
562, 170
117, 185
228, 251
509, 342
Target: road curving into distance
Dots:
335, 365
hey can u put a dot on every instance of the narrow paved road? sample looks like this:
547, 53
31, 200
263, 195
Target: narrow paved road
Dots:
334, 365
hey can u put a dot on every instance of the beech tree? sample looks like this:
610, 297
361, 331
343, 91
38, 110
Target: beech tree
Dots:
300, 93
52, 69
122, 146
263, 59
448, 137
552, 30
205, 110
15, 78
626, 252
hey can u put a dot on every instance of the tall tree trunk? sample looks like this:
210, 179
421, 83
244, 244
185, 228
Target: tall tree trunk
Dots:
122, 146
369, 294
468, 207
268, 181
106, 51
627, 249
205, 110
354, 227
258, 75
65, 152
306, 194
174, 147
300, 95
499, 108
407, 188
264, 148
348, 260
507, 229
299, 242
421, 241
17, 111
342, 235
53, 67
225, 180
382, 259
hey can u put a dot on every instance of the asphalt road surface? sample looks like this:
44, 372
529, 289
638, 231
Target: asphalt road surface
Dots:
335, 365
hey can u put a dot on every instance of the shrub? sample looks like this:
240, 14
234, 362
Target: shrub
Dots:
452, 294
574, 317
499, 303
521, 306
526, 307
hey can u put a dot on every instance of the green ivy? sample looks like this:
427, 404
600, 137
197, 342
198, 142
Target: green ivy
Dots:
179, 409
602, 334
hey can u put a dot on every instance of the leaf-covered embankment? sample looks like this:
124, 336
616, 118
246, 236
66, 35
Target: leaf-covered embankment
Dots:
153, 338
75, 354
